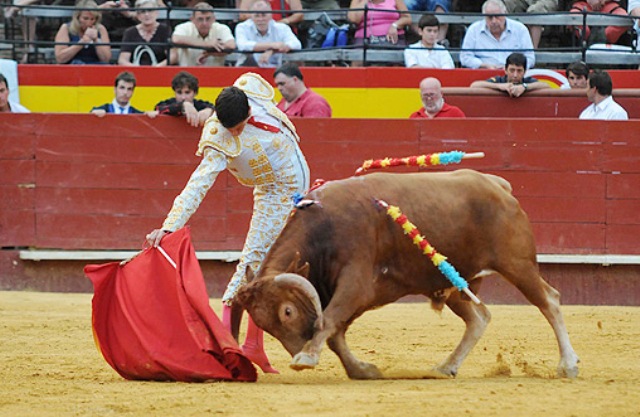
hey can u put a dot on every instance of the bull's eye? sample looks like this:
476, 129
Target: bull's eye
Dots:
286, 312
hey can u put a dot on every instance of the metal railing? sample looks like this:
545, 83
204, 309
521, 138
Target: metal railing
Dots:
374, 54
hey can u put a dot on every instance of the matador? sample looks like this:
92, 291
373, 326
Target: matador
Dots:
260, 149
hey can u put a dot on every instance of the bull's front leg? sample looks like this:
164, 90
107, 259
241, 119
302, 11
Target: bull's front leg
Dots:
309, 356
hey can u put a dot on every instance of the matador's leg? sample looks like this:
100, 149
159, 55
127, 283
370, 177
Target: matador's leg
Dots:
270, 213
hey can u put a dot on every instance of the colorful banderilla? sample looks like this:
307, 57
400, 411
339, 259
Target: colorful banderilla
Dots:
441, 158
439, 260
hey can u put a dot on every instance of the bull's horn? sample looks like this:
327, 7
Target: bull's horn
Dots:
305, 286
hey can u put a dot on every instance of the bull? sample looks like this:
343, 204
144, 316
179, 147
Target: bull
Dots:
342, 255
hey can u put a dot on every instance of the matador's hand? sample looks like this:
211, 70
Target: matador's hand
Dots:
154, 238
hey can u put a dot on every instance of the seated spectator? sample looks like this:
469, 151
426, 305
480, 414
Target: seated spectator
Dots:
600, 34
289, 19
202, 31
634, 11
267, 38
31, 29
427, 53
433, 102
532, 6
432, 6
578, 75
603, 106
84, 37
488, 42
185, 86
117, 16
297, 99
124, 86
7, 106
382, 27
513, 82
146, 42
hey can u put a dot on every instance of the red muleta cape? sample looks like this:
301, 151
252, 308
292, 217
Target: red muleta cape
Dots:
152, 321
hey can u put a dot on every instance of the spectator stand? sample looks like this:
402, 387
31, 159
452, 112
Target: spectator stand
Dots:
605, 55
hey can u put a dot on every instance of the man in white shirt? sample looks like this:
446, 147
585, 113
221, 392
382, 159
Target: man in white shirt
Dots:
210, 39
487, 43
7, 106
599, 93
427, 53
267, 38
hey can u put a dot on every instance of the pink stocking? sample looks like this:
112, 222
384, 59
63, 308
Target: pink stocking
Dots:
226, 316
253, 348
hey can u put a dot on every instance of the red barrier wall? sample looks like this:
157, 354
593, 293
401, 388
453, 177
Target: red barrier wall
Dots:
80, 182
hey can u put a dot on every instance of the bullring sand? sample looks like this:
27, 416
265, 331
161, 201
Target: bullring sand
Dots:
50, 367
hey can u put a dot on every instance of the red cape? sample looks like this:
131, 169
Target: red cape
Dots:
152, 321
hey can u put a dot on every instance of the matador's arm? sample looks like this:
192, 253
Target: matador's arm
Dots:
202, 179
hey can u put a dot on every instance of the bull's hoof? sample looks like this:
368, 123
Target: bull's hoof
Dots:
445, 371
303, 360
569, 372
365, 371
568, 368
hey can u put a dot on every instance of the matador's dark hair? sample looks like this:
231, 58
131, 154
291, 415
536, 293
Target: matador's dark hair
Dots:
232, 106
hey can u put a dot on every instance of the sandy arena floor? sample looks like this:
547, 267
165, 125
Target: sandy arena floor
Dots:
50, 367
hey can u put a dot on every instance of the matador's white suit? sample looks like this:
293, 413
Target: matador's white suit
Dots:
265, 156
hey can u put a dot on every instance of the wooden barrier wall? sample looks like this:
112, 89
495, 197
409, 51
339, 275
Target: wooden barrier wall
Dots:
81, 182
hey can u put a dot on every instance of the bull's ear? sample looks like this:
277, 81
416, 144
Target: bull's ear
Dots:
293, 266
304, 270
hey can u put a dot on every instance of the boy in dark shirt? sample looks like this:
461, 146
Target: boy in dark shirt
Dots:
185, 87
513, 82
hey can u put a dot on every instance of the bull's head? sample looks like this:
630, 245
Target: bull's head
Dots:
286, 306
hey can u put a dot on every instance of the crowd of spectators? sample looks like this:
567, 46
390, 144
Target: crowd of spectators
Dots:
115, 31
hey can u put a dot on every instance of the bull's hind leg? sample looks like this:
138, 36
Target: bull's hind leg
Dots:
547, 299
476, 318
356, 369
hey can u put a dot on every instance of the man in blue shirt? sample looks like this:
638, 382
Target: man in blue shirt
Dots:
488, 42
513, 82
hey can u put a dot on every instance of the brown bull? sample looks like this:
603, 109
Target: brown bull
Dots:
354, 258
